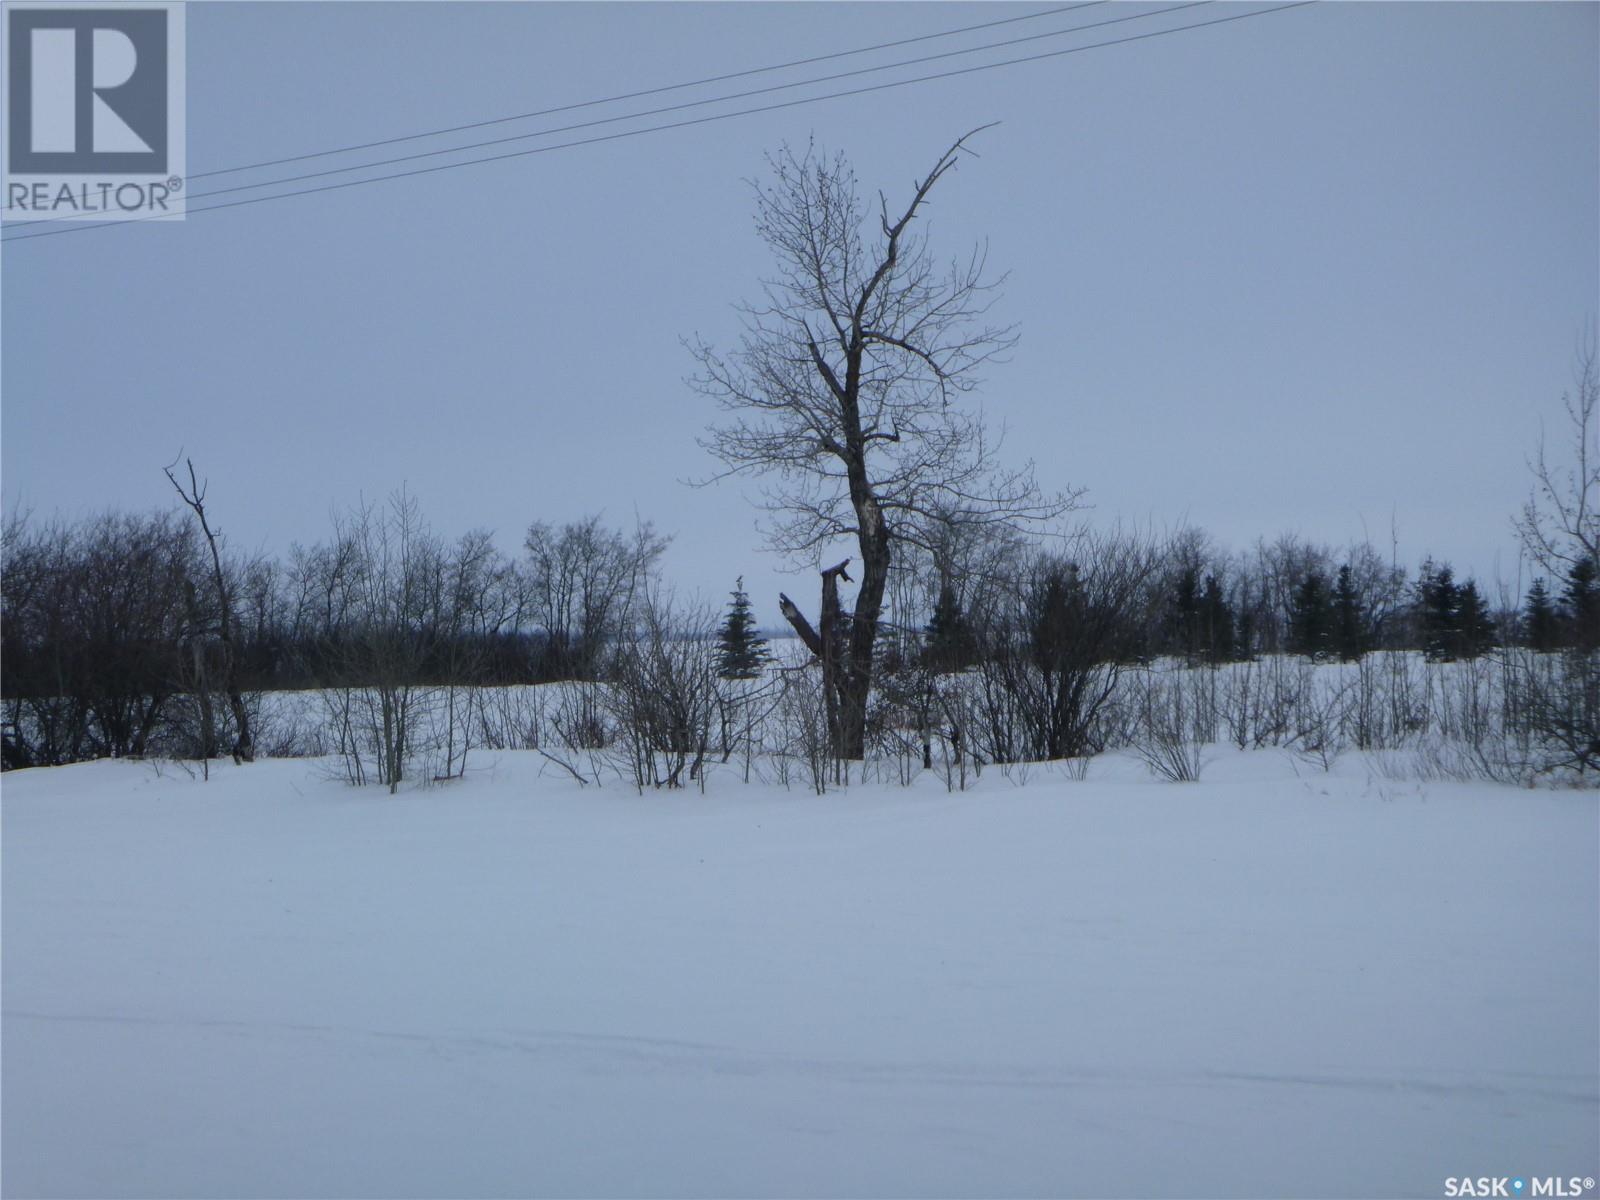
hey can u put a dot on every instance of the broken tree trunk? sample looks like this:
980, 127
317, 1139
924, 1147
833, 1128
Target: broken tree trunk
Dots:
831, 647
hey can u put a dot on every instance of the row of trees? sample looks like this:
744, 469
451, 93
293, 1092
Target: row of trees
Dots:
114, 631
1223, 609
127, 635
1055, 671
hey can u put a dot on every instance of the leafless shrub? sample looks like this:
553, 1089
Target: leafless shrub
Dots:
579, 717
1319, 719
283, 734
1056, 638
802, 721
1238, 701
1552, 711
744, 709
513, 718
664, 695
900, 723
390, 572
459, 714
1436, 757
1172, 718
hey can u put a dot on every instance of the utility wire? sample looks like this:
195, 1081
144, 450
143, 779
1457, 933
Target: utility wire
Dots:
687, 104
655, 91
389, 162
329, 187
16, 225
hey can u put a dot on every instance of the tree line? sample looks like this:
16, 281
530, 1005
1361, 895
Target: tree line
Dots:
112, 626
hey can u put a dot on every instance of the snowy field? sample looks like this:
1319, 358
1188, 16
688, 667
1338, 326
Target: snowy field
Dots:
1275, 982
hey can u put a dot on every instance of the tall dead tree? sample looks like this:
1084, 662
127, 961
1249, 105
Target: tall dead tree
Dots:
843, 391
195, 497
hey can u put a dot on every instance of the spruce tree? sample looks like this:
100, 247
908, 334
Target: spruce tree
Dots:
1216, 623
1349, 621
1184, 619
743, 650
951, 644
1438, 600
1580, 605
1055, 618
1475, 631
1541, 626
1244, 638
1311, 617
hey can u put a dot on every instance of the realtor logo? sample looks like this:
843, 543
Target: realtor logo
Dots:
94, 112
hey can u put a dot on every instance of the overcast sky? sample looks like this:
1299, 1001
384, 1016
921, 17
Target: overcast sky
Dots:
1310, 271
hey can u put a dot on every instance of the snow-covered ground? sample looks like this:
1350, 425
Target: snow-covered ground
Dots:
1275, 982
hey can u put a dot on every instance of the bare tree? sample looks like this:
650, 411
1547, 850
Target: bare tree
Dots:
583, 580
1559, 526
479, 599
844, 385
391, 579
664, 694
1560, 529
194, 495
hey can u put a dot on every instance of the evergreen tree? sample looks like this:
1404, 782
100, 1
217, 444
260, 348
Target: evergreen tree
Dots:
1244, 637
1056, 618
1183, 616
1541, 626
1580, 605
743, 650
1475, 631
1311, 617
951, 644
1350, 639
1216, 623
1438, 600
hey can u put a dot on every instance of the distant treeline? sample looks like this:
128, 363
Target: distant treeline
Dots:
104, 624
1202, 603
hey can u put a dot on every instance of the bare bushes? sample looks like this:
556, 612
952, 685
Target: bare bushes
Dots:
664, 696
1514, 715
1055, 638
1175, 720
802, 744
406, 617
95, 629
1552, 705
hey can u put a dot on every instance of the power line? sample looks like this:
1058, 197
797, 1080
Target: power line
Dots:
610, 137
15, 225
458, 149
669, 108
675, 124
655, 91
